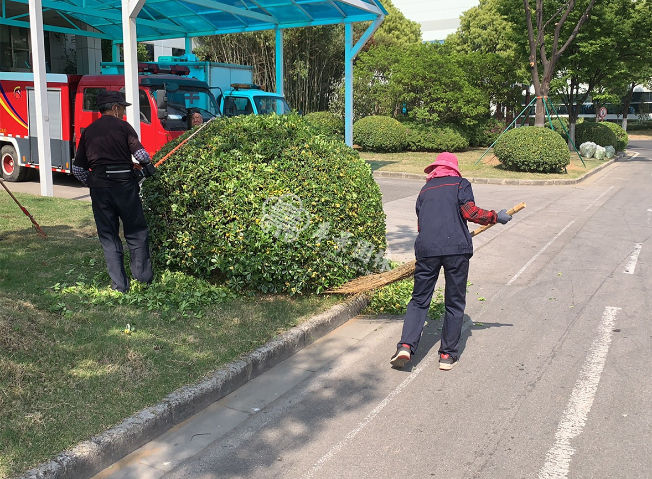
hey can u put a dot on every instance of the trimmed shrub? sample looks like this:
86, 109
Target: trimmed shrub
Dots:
598, 133
380, 133
421, 137
326, 122
260, 202
531, 148
560, 125
622, 138
485, 132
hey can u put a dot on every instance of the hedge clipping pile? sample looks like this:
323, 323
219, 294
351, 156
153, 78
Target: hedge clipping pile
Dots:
265, 203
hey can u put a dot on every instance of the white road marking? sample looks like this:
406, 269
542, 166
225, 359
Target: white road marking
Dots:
631, 264
370, 417
595, 200
539, 254
579, 405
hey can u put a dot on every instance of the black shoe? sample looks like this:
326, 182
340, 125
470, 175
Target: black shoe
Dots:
403, 355
446, 362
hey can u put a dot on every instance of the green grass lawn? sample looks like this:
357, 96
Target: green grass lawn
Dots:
68, 369
470, 167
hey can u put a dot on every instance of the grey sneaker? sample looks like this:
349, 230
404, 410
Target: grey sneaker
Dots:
402, 356
446, 362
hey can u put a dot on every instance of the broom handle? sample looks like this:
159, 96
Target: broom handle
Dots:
511, 212
24, 210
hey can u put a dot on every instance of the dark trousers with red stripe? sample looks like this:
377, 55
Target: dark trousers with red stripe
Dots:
456, 273
110, 205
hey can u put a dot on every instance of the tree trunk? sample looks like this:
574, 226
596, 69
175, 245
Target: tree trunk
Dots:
627, 101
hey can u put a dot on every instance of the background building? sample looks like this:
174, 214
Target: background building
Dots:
438, 18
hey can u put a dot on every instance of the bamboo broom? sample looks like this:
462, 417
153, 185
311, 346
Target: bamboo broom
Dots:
374, 281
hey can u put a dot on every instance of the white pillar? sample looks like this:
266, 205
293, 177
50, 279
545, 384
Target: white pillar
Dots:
130, 9
41, 97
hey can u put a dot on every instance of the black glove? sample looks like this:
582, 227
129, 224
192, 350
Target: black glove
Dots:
503, 217
149, 170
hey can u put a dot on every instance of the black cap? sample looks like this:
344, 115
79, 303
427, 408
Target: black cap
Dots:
110, 97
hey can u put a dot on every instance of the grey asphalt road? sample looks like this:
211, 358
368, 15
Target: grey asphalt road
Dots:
554, 377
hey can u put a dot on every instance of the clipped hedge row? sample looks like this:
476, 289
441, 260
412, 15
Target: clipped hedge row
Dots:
598, 133
533, 149
485, 132
380, 133
260, 202
421, 137
622, 138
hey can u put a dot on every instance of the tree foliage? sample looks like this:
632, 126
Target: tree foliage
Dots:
426, 79
548, 31
313, 57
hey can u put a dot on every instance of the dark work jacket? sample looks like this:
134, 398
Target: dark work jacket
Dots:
443, 230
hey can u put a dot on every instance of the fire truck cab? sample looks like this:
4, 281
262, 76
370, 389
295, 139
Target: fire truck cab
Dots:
167, 100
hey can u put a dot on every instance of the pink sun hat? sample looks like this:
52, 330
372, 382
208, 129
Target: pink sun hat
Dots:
444, 159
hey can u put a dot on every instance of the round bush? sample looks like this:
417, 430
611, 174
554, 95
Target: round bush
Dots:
326, 122
598, 133
560, 125
622, 138
422, 137
530, 148
260, 202
380, 133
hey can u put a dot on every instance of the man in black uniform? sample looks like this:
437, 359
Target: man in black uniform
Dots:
103, 163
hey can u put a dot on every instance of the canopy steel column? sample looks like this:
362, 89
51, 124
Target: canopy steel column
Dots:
279, 64
41, 97
350, 51
130, 10
279, 61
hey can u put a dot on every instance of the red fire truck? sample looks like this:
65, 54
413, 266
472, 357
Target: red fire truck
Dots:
166, 97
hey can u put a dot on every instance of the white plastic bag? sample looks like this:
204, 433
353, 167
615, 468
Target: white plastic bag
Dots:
587, 149
599, 153
609, 152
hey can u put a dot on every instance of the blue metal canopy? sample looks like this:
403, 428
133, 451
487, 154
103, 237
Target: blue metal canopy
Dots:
161, 19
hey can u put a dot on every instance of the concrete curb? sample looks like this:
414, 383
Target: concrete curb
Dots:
90, 457
502, 181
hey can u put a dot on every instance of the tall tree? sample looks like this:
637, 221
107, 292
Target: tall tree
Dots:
548, 37
313, 59
490, 57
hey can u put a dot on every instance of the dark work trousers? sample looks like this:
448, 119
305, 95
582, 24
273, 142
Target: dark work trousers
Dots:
456, 273
110, 205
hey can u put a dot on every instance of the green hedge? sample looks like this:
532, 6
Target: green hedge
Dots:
380, 133
530, 148
421, 137
598, 133
622, 138
260, 202
326, 122
485, 132
560, 125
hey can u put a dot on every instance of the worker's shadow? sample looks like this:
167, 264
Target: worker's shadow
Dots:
431, 337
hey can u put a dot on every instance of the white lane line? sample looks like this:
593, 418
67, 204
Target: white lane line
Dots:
349, 437
539, 254
370, 417
631, 264
595, 200
579, 405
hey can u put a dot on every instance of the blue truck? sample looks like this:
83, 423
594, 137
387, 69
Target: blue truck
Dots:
231, 85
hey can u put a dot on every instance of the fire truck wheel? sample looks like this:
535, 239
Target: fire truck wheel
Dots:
11, 170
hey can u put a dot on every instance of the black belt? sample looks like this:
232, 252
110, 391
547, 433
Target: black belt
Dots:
113, 172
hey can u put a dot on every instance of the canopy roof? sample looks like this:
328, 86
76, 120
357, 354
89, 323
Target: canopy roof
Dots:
161, 19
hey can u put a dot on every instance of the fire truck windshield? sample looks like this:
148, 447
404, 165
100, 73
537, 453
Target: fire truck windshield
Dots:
184, 105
